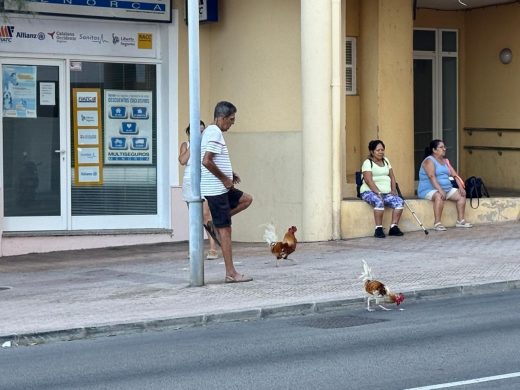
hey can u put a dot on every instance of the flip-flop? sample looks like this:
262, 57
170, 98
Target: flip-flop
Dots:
439, 227
210, 228
238, 278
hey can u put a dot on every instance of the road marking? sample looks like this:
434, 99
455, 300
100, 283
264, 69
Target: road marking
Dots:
468, 382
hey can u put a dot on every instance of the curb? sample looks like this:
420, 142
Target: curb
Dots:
253, 314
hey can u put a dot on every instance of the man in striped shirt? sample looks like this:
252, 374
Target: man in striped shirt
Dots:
217, 182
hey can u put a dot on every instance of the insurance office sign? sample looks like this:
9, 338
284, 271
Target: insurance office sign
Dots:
76, 37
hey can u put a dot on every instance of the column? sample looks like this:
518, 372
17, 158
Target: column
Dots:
316, 119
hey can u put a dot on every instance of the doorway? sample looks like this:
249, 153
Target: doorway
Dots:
34, 145
435, 68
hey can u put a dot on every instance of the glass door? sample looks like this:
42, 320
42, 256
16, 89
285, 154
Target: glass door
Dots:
435, 91
423, 103
34, 145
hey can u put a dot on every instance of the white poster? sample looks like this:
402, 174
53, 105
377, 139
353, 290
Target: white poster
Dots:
88, 137
47, 94
128, 127
87, 99
88, 155
88, 174
87, 118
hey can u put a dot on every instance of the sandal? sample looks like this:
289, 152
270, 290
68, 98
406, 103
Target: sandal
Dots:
463, 224
210, 228
238, 278
439, 227
212, 255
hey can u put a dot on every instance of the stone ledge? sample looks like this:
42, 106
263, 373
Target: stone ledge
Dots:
357, 217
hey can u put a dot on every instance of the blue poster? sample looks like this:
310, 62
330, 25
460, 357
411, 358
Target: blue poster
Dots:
128, 127
19, 91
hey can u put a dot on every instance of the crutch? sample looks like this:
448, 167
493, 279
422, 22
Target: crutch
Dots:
409, 208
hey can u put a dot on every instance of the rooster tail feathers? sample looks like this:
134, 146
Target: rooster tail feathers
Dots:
367, 272
270, 233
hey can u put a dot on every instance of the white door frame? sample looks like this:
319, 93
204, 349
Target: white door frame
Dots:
39, 223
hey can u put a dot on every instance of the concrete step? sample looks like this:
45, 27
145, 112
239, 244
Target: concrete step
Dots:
357, 217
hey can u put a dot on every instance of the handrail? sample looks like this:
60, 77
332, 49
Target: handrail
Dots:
499, 131
498, 149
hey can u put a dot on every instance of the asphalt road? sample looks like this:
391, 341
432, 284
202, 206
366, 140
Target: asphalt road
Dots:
430, 342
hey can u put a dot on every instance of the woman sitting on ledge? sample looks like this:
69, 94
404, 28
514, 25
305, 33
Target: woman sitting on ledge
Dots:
379, 188
435, 184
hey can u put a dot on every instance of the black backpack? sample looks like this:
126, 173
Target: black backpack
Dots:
475, 189
359, 177
359, 182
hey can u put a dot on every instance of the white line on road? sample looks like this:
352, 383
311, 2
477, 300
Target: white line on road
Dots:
468, 382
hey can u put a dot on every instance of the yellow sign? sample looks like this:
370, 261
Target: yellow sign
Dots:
144, 40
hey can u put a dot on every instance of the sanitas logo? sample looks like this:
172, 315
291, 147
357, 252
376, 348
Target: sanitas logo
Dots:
6, 33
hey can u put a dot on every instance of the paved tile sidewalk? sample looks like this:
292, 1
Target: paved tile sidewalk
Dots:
145, 286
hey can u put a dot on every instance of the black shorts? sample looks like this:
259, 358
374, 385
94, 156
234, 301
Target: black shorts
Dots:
220, 207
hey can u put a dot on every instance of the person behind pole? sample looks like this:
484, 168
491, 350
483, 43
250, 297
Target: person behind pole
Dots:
435, 184
184, 159
217, 185
379, 189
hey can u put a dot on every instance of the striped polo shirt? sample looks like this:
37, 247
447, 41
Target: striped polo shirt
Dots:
213, 141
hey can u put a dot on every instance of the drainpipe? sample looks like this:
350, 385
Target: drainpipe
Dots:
336, 116
196, 242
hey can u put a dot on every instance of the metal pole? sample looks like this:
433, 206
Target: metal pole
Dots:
195, 203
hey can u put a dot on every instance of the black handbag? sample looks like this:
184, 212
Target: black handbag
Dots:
359, 182
475, 189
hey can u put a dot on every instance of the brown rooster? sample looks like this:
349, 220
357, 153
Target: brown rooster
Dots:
281, 249
377, 290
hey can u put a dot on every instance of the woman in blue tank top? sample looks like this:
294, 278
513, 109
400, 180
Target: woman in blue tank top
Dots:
435, 184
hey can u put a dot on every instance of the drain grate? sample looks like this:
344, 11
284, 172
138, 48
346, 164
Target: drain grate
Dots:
336, 322
4, 288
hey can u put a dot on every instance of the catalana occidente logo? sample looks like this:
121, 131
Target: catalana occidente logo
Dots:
62, 36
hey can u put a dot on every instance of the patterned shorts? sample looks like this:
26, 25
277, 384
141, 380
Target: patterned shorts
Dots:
390, 200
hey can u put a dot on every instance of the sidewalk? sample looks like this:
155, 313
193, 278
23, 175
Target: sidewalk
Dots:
106, 291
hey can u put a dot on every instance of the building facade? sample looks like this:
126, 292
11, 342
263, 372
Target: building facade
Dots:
94, 111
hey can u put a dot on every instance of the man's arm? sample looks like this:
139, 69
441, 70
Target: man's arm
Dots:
210, 165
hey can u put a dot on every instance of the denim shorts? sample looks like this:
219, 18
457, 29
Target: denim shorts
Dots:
220, 207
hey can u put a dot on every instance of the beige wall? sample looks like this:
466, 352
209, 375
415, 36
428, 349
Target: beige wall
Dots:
396, 88
251, 57
255, 62
385, 83
492, 92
